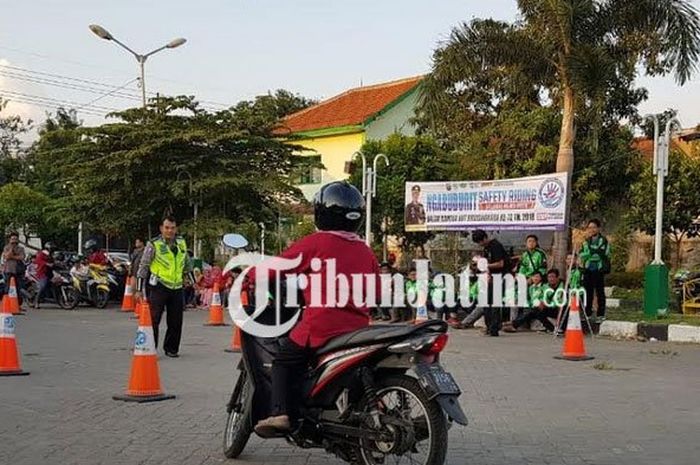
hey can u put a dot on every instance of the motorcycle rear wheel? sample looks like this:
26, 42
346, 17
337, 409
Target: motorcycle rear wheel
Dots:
431, 420
238, 424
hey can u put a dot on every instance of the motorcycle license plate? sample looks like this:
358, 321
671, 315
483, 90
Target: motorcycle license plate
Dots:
436, 381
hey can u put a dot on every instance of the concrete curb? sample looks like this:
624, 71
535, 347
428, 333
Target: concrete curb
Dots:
684, 333
619, 329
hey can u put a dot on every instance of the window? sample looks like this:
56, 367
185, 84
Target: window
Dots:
310, 171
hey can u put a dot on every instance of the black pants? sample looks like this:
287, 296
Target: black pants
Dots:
289, 365
532, 314
594, 283
172, 301
492, 314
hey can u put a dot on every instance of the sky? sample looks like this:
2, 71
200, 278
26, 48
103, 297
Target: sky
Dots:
237, 49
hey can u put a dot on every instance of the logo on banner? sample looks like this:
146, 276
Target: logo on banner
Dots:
551, 193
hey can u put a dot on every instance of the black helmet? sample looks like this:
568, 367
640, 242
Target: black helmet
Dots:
338, 206
90, 245
50, 246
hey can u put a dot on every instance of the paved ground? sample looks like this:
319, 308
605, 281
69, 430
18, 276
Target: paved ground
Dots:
524, 407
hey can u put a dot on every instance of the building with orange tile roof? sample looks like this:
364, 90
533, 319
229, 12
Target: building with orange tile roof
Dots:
334, 129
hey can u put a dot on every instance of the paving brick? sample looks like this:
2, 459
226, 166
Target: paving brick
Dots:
524, 407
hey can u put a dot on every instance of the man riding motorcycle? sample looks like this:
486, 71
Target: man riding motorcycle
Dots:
338, 211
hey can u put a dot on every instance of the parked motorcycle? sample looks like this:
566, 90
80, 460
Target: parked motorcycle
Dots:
93, 287
60, 289
359, 401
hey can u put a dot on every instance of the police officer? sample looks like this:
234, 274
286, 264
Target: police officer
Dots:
415, 211
161, 274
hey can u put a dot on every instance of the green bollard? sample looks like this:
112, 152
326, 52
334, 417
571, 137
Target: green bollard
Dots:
655, 290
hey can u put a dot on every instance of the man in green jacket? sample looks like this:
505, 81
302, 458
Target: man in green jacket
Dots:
595, 257
533, 258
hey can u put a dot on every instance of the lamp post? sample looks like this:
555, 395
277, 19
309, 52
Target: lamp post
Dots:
656, 273
102, 33
369, 188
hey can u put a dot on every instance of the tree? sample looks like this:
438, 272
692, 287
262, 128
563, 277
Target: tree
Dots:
681, 201
265, 112
576, 53
22, 208
410, 159
12, 127
124, 175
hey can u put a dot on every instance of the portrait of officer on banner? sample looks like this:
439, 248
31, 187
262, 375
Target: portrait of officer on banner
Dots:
415, 211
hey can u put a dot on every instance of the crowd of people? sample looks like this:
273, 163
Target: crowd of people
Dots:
584, 278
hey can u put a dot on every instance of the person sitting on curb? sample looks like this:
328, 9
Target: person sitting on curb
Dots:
544, 300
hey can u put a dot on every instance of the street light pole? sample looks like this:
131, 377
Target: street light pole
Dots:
369, 188
656, 273
102, 33
371, 193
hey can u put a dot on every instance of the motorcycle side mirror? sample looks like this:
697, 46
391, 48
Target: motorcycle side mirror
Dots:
234, 241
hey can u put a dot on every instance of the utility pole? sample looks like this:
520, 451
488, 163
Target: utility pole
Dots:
656, 273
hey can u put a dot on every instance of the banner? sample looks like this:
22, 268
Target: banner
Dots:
536, 202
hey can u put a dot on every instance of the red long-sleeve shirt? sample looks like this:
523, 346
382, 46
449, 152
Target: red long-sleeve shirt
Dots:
352, 257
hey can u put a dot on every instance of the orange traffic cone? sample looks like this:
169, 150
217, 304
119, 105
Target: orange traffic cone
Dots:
128, 301
9, 354
235, 340
13, 303
574, 348
216, 311
144, 381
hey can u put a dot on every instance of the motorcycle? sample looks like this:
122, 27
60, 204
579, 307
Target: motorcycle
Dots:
358, 400
60, 289
93, 287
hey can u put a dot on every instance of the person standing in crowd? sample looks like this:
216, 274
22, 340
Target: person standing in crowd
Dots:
595, 257
532, 259
384, 312
161, 275
43, 263
497, 263
13, 257
135, 257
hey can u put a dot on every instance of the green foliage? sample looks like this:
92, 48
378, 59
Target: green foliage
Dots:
11, 128
21, 207
625, 279
410, 159
121, 176
577, 57
681, 198
621, 246
264, 113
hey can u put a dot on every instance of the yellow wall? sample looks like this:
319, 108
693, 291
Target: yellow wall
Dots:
334, 151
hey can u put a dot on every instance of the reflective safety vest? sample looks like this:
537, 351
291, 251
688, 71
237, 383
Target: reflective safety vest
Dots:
168, 266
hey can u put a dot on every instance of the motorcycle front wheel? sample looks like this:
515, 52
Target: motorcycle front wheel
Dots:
68, 297
417, 424
101, 298
239, 426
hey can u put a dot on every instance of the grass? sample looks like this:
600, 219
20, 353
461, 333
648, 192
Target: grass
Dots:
631, 309
628, 294
636, 314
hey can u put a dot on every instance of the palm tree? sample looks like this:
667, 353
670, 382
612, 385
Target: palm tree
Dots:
577, 52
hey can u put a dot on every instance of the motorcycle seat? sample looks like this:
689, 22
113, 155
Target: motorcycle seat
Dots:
379, 333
